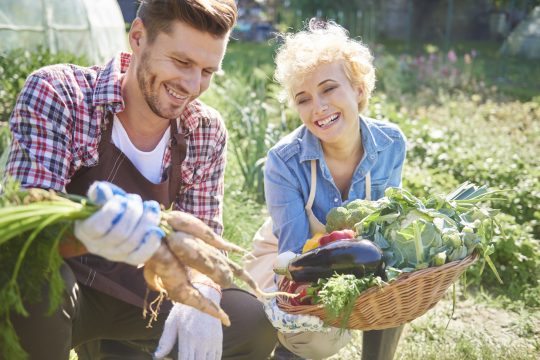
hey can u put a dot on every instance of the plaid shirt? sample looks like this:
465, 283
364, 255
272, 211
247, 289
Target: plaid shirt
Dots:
56, 130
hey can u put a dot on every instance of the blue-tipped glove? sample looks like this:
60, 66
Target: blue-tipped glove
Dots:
125, 229
199, 335
291, 323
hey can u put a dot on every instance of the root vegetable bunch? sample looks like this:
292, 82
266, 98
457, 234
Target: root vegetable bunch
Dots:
35, 222
191, 243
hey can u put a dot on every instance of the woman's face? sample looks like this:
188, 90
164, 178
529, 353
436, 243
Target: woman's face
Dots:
328, 104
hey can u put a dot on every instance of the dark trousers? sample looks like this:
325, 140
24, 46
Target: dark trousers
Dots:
101, 327
380, 344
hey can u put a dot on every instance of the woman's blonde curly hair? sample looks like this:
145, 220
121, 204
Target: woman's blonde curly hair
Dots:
323, 42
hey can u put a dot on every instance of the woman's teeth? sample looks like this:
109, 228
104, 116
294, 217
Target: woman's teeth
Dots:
328, 120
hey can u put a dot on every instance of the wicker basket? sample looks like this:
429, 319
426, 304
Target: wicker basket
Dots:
403, 300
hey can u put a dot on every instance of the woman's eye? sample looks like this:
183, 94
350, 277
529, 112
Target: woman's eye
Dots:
329, 89
302, 101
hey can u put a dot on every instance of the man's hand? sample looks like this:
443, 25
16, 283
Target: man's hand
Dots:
124, 229
199, 335
290, 323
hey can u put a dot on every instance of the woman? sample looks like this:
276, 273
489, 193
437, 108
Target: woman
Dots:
336, 156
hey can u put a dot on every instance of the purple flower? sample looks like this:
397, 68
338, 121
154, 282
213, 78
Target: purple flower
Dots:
452, 57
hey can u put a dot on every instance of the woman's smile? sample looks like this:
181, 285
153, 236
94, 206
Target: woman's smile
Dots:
328, 121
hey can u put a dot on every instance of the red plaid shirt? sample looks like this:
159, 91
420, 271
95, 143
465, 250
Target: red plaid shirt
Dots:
56, 130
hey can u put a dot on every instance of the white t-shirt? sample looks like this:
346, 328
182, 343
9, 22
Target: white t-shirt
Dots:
147, 162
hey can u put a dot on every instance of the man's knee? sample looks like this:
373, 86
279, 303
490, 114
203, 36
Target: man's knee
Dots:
43, 333
250, 336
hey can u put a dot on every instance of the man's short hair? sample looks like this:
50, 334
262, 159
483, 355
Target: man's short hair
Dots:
216, 17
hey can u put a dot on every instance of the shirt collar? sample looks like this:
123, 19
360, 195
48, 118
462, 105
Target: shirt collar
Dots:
108, 87
373, 139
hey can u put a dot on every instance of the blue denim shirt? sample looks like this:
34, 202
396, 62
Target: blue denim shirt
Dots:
287, 177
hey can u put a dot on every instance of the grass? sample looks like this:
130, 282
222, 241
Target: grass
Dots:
479, 329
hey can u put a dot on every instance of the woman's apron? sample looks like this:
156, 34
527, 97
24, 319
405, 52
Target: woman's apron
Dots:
120, 280
260, 262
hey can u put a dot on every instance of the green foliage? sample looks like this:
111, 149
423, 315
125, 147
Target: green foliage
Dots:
4, 146
489, 143
16, 65
517, 258
254, 122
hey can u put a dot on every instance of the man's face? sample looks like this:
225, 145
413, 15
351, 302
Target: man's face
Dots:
177, 68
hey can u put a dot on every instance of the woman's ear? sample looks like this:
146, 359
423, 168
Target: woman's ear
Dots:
359, 94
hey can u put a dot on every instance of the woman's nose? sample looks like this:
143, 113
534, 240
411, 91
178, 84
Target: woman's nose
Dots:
321, 106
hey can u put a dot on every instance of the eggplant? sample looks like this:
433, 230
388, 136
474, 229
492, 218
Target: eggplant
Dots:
356, 257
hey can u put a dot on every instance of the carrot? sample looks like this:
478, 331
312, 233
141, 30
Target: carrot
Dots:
243, 275
200, 256
181, 221
173, 276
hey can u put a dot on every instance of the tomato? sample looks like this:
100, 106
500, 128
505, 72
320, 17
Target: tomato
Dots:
299, 288
336, 235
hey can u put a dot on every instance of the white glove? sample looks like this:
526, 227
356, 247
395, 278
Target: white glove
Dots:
199, 335
291, 323
124, 229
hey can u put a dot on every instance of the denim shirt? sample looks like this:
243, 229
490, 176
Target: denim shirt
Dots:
287, 177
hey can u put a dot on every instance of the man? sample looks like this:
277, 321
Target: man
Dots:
135, 122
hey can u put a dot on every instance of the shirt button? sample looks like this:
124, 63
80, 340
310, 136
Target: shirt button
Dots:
336, 200
372, 156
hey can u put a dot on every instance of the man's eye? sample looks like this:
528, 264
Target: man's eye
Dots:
181, 62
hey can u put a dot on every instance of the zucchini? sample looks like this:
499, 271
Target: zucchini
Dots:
356, 257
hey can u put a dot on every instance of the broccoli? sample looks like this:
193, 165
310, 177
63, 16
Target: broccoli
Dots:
357, 215
359, 204
336, 219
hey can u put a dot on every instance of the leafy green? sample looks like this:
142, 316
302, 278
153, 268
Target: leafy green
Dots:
338, 294
32, 224
417, 234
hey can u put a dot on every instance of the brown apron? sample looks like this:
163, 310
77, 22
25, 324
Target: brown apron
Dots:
123, 281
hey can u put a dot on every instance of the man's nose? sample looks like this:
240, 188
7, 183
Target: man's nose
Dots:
192, 83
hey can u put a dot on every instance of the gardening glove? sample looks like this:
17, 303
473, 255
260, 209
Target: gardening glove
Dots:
291, 323
124, 229
199, 335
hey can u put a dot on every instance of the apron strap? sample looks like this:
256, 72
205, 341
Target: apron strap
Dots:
315, 225
313, 188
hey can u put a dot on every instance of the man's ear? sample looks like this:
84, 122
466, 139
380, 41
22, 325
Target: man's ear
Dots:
137, 35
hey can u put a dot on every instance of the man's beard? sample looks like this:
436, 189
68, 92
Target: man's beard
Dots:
146, 79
